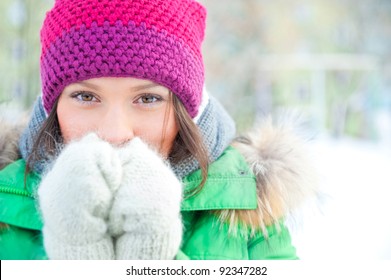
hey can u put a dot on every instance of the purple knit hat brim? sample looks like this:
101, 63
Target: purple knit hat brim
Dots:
122, 51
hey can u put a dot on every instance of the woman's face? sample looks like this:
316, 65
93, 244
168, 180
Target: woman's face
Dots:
118, 109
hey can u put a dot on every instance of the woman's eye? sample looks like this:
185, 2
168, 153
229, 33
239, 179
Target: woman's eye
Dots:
84, 97
149, 99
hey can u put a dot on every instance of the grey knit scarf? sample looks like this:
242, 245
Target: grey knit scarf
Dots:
217, 128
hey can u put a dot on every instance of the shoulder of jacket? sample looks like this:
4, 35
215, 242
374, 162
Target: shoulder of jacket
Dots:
279, 156
10, 133
230, 184
17, 196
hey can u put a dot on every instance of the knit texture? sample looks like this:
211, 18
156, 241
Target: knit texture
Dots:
145, 216
217, 129
101, 202
155, 40
29, 135
75, 198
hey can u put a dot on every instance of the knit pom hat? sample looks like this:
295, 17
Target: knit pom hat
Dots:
158, 40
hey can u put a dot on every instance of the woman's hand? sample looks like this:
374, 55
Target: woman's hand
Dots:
145, 217
75, 197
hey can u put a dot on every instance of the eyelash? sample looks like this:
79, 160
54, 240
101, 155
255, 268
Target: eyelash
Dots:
78, 96
138, 100
157, 99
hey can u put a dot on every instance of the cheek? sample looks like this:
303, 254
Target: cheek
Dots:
170, 135
156, 133
70, 125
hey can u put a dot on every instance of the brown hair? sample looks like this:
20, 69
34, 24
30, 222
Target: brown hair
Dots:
46, 141
188, 142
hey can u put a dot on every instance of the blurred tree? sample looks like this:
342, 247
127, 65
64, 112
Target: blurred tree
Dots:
20, 22
249, 45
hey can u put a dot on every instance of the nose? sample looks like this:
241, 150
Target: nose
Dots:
115, 127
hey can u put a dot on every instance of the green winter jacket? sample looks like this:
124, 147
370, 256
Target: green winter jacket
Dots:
231, 186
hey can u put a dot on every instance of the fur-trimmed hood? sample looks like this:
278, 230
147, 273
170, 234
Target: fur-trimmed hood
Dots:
276, 152
9, 136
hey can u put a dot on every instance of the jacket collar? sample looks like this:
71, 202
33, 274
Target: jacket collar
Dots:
230, 185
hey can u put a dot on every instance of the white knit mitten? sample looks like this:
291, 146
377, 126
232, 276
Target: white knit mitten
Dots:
75, 197
145, 217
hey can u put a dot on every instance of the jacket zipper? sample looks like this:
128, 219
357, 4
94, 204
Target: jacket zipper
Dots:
16, 192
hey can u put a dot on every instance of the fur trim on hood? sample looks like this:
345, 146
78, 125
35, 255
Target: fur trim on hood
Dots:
9, 137
279, 157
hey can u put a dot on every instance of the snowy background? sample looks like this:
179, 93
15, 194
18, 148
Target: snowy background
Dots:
354, 221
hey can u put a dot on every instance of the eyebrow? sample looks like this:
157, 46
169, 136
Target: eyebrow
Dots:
89, 85
135, 88
145, 86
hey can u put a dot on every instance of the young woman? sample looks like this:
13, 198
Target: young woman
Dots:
126, 157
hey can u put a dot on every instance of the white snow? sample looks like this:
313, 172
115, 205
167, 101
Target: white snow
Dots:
355, 220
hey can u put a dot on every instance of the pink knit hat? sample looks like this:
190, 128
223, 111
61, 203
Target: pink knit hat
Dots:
158, 40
